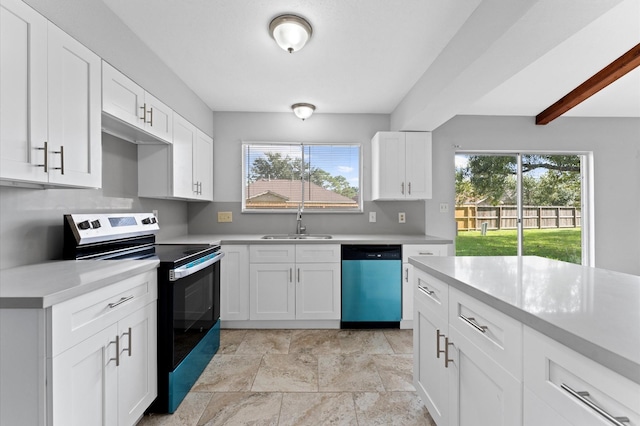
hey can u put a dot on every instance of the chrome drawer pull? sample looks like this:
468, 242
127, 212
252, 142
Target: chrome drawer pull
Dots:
580, 396
117, 358
129, 347
425, 290
119, 302
438, 336
472, 322
447, 343
426, 253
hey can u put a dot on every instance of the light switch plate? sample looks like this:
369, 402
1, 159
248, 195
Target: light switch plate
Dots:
372, 216
224, 217
444, 207
402, 218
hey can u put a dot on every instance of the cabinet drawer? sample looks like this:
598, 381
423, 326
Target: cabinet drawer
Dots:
552, 371
497, 334
77, 319
432, 293
276, 253
409, 250
318, 253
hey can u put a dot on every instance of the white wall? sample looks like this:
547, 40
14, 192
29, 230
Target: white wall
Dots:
615, 143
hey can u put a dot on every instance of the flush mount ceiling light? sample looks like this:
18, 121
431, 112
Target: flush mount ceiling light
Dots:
303, 111
291, 32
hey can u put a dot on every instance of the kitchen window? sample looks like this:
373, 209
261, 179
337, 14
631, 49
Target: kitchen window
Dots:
282, 177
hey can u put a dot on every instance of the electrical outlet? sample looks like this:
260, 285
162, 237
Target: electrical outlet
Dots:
444, 207
402, 218
225, 217
372, 216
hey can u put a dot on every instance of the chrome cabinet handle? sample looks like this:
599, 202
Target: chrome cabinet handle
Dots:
120, 302
150, 117
46, 157
409, 186
402, 188
406, 274
447, 343
298, 275
144, 112
425, 253
200, 188
580, 396
473, 323
61, 152
290, 274
438, 336
117, 358
129, 347
425, 290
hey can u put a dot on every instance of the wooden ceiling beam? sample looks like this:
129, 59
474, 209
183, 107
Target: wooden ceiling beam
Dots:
599, 81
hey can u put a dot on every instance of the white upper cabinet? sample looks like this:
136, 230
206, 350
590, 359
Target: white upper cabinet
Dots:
401, 166
182, 170
131, 113
50, 103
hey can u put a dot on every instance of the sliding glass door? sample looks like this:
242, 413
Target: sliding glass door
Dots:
521, 203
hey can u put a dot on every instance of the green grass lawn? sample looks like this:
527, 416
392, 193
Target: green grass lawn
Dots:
560, 244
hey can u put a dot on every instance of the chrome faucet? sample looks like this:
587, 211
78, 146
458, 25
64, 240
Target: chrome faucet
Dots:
300, 228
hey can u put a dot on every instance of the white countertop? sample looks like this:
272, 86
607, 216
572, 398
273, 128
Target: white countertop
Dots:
593, 311
335, 239
45, 284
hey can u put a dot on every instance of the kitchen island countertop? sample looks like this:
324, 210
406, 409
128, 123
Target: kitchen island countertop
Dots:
335, 239
595, 312
45, 284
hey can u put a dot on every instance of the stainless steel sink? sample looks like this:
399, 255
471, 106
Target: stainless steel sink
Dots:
297, 237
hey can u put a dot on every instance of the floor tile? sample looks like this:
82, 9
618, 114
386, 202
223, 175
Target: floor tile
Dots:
318, 408
315, 342
396, 372
391, 408
230, 340
363, 342
287, 373
242, 408
265, 342
401, 341
228, 373
348, 373
187, 414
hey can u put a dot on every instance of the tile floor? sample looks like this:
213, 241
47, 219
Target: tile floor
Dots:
305, 377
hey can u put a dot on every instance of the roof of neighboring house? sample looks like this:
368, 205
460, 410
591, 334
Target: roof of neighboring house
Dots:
291, 190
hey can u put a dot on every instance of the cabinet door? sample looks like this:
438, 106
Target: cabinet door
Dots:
430, 377
184, 139
122, 97
480, 391
418, 165
234, 283
388, 172
158, 118
272, 291
74, 87
137, 373
203, 166
318, 291
84, 387
23, 85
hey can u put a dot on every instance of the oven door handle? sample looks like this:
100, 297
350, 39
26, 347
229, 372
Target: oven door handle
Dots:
193, 267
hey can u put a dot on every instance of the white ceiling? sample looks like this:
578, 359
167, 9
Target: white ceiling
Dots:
366, 55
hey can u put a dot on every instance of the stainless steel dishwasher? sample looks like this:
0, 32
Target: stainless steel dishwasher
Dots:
371, 286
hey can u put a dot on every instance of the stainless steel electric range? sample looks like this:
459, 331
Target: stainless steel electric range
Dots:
188, 292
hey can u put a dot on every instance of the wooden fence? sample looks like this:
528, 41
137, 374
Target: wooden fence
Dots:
471, 217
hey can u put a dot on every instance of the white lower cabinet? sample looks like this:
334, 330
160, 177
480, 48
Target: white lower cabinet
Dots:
234, 283
409, 250
458, 370
99, 365
562, 384
298, 282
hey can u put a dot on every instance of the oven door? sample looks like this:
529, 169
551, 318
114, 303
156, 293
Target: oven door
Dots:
195, 308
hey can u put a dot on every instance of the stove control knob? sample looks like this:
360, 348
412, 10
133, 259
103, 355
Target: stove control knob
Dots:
95, 224
146, 221
84, 225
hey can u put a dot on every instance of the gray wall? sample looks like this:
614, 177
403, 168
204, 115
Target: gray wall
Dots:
231, 128
615, 143
31, 219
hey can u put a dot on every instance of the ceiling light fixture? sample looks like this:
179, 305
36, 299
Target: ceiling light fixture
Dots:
291, 32
303, 111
